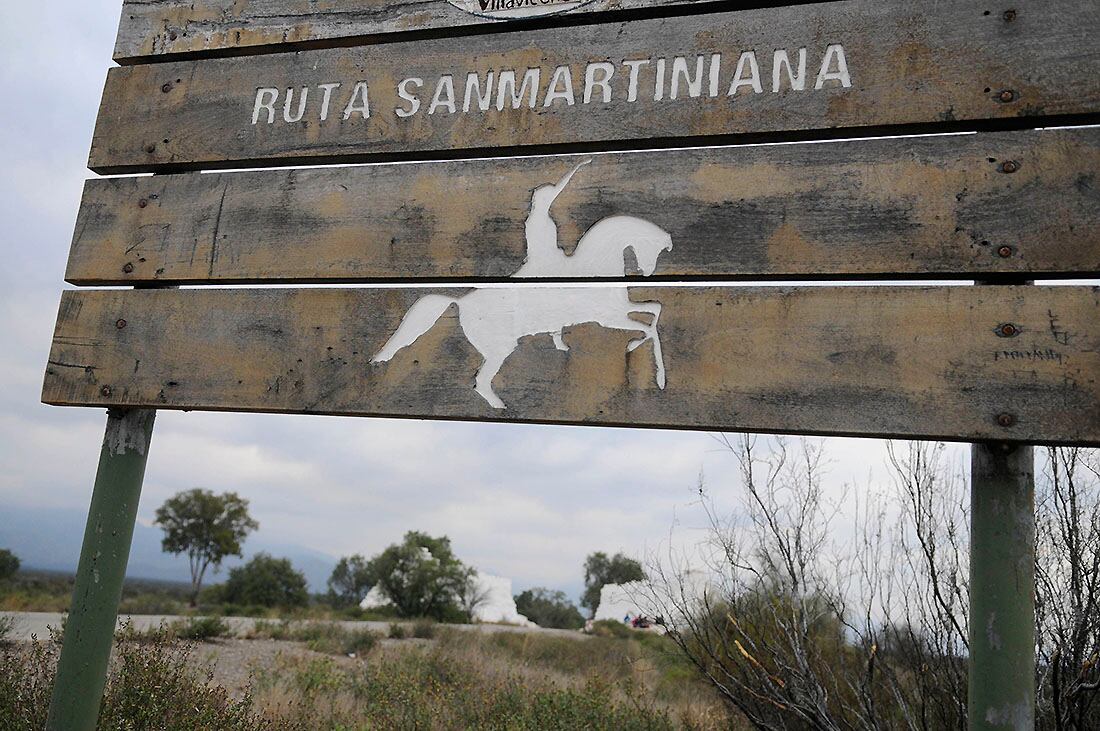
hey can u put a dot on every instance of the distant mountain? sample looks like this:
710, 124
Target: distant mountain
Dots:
50, 538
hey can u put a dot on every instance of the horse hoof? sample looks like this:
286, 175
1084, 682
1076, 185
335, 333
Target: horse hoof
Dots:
492, 399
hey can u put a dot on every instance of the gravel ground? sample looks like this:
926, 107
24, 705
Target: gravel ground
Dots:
232, 661
38, 623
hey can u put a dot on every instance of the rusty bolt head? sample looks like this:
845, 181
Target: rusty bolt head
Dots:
1007, 95
1004, 252
172, 35
1008, 330
120, 323
128, 267
105, 391
142, 203
167, 87
1006, 420
1009, 16
150, 148
1009, 166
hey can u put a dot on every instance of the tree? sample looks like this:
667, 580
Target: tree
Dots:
421, 576
9, 564
350, 581
267, 582
600, 570
205, 526
472, 595
548, 608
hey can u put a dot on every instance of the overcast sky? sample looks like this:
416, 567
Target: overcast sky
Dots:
527, 502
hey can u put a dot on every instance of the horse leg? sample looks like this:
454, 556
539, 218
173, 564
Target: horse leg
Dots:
652, 308
650, 330
558, 342
483, 382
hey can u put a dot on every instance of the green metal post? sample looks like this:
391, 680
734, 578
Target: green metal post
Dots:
1002, 588
90, 628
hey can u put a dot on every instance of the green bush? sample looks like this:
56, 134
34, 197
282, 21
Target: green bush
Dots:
331, 638
266, 582
398, 631
150, 603
438, 690
9, 564
7, 624
151, 686
201, 629
268, 630
611, 628
423, 629
334, 639
548, 608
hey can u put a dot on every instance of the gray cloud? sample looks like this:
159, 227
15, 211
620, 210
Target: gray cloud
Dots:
524, 501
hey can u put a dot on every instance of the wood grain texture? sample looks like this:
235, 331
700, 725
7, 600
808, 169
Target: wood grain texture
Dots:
153, 29
909, 63
938, 206
924, 362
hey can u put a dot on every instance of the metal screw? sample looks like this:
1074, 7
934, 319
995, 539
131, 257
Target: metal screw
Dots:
1004, 252
1008, 330
106, 391
1007, 95
1009, 166
1009, 16
172, 35
150, 148
1006, 420
167, 87
120, 323
128, 267
142, 203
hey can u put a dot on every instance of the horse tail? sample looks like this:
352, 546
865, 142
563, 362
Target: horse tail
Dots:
418, 320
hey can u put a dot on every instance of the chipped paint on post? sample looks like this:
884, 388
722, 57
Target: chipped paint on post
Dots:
129, 433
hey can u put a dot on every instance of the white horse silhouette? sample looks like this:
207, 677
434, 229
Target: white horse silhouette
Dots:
494, 320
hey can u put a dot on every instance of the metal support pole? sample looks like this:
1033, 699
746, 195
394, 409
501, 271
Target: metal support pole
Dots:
90, 628
1002, 588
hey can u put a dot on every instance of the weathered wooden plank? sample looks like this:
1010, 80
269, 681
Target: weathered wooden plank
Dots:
940, 206
972, 363
154, 29
656, 82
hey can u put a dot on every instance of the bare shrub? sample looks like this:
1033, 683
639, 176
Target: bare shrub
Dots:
826, 618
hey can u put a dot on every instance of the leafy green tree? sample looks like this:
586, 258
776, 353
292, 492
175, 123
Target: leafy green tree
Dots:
548, 608
266, 582
421, 576
350, 581
600, 570
9, 564
205, 526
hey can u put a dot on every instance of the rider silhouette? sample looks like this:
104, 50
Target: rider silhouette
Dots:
544, 256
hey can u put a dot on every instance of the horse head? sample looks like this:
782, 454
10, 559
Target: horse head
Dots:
649, 242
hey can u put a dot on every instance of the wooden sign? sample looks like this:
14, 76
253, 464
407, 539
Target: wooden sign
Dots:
172, 28
268, 83
656, 82
1008, 363
944, 206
